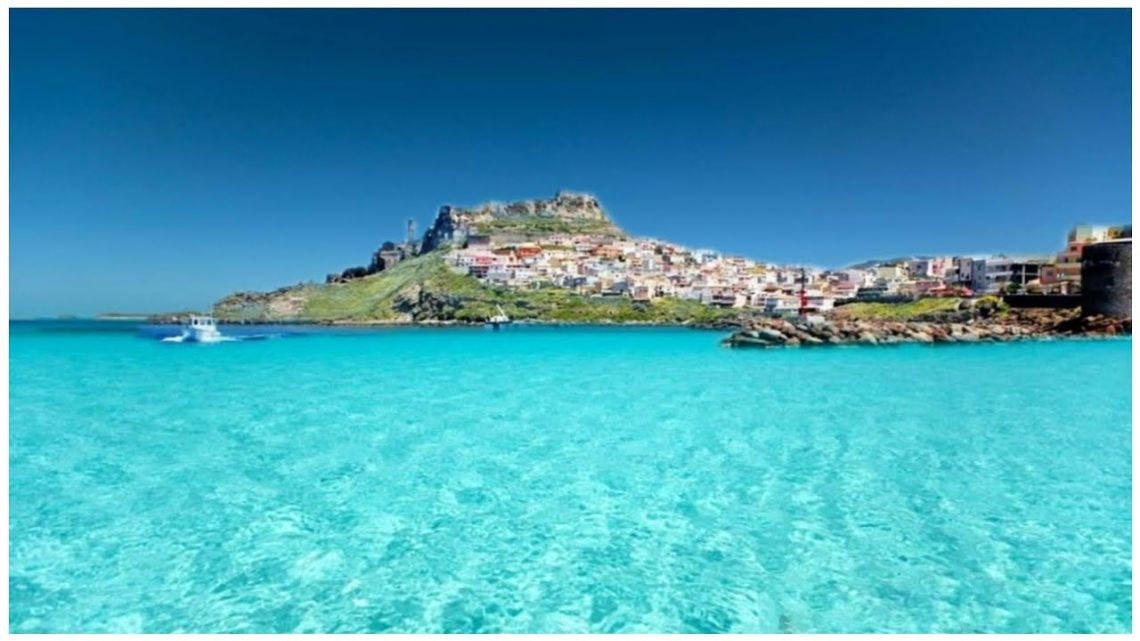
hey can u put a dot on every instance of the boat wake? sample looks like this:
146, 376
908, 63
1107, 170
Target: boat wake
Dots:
186, 338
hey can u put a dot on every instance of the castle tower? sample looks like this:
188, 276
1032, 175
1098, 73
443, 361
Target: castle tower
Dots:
1106, 278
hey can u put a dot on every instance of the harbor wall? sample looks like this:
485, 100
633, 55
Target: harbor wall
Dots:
1106, 279
894, 298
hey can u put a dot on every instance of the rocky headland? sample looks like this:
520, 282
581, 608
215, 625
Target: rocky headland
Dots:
420, 282
411, 283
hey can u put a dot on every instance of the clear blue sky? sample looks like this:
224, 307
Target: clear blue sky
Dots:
162, 159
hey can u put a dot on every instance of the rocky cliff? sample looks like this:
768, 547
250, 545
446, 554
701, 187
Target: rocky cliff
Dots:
565, 213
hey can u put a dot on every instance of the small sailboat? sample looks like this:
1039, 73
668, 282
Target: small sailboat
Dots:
498, 320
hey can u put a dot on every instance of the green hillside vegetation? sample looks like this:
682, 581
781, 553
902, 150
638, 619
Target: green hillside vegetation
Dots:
898, 311
387, 295
425, 288
538, 226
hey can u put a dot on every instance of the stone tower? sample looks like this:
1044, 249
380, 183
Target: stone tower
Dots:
1106, 278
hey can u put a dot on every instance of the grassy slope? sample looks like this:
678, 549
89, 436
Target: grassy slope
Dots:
539, 226
378, 297
553, 303
898, 311
392, 294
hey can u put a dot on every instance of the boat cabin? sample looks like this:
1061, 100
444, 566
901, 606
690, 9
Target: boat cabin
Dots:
202, 322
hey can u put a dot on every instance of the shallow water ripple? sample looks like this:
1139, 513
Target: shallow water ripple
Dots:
566, 480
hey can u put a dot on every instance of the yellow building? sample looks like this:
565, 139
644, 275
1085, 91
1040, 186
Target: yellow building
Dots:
893, 272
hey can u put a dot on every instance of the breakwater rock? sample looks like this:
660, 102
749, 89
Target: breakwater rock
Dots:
1010, 326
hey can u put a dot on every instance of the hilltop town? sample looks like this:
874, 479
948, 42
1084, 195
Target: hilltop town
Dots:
541, 256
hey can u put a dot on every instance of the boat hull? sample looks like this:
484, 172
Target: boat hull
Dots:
196, 335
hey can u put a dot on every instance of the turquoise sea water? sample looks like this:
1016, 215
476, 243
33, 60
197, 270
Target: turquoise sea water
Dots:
564, 480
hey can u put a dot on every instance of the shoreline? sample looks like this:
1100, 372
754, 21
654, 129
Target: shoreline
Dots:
458, 323
752, 331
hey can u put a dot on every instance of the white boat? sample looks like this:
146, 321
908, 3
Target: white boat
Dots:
498, 320
201, 329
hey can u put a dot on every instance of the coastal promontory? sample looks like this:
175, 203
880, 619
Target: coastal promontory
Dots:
421, 280
563, 259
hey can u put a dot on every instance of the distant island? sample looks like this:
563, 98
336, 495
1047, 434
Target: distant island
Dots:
565, 260
123, 316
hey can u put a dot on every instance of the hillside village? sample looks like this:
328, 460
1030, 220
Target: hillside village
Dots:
569, 242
